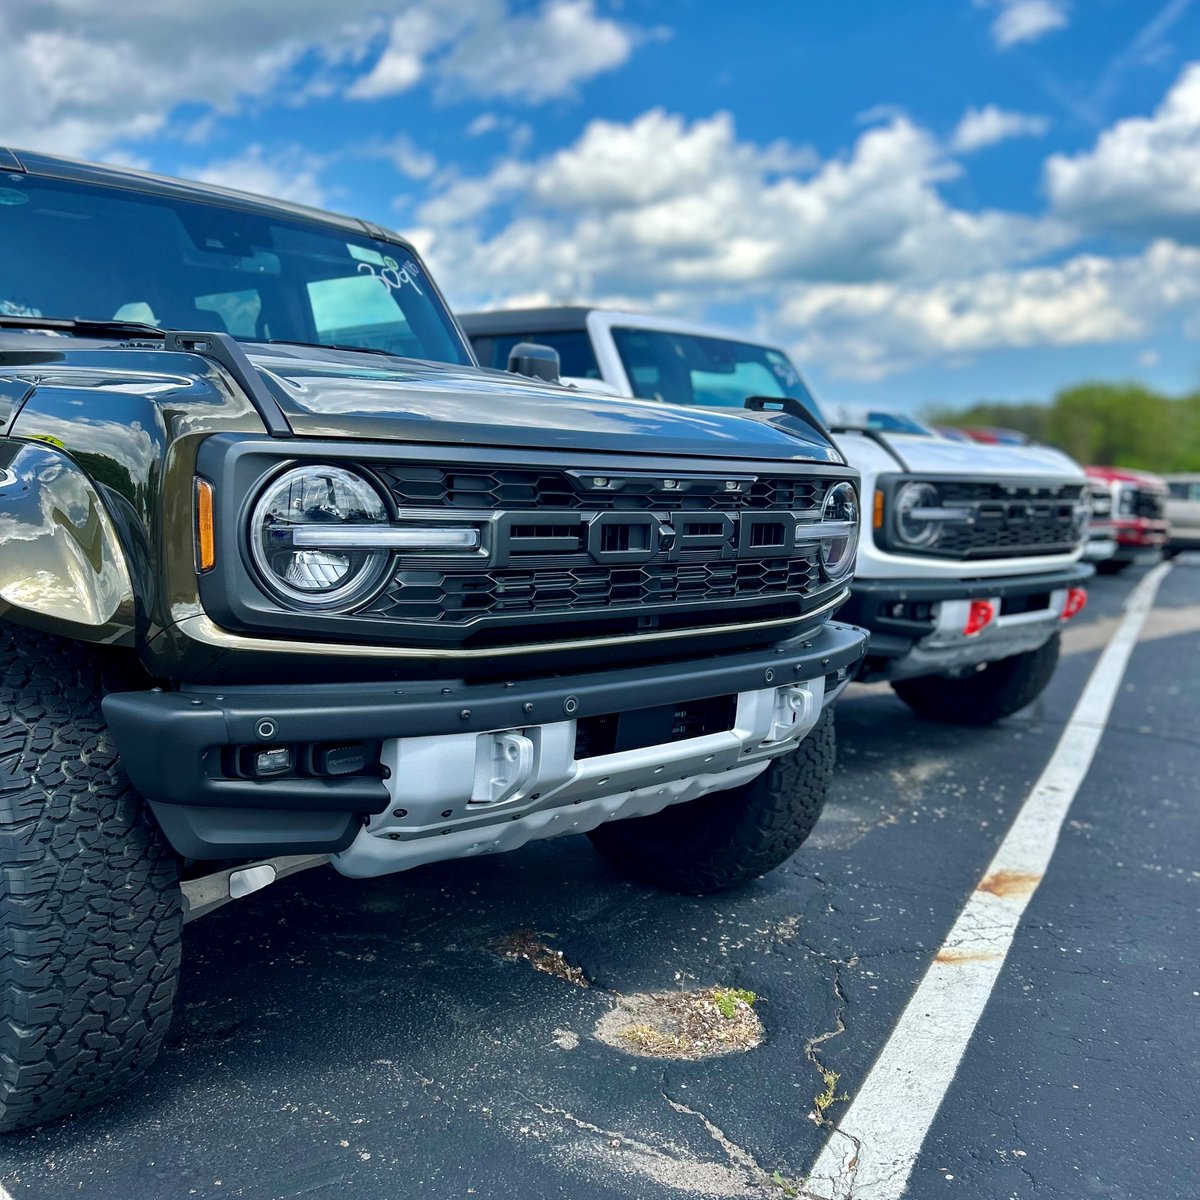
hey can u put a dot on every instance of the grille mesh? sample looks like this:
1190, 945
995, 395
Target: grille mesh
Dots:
416, 486
461, 596
1008, 520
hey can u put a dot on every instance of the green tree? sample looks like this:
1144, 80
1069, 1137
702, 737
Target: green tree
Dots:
1104, 424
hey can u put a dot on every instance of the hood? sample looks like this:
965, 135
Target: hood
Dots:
941, 456
342, 394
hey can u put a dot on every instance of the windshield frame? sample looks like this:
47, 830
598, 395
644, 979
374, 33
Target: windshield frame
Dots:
158, 191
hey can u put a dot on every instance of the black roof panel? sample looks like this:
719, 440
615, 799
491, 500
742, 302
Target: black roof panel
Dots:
524, 320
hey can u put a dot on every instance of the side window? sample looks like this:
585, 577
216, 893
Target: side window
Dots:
575, 354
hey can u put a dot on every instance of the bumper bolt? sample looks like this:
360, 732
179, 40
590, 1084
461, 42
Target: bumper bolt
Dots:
570, 704
399, 812
769, 675
527, 707
464, 714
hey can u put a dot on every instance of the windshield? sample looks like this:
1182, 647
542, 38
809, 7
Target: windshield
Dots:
886, 422
101, 253
684, 368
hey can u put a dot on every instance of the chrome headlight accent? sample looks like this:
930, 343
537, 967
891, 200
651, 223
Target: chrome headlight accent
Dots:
839, 514
915, 527
298, 564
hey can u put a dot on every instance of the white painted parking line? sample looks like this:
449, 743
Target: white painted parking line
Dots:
872, 1151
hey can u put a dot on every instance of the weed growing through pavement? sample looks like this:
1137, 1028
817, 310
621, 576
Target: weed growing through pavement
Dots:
829, 1096
727, 1000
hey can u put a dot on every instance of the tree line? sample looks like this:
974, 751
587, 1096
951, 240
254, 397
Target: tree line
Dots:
1101, 424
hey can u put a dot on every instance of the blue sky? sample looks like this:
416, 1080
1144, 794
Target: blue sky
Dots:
935, 201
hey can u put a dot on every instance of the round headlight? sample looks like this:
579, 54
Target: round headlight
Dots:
287, 527
911, 529
837, 553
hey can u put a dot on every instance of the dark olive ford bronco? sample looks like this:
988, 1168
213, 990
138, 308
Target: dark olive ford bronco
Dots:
286, 579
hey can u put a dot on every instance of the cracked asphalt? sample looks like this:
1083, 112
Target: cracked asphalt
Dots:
370, 1040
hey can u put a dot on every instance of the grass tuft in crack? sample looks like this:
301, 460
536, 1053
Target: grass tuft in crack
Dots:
829, 1096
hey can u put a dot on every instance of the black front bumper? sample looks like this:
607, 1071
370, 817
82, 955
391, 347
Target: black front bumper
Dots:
872, 601
171, 742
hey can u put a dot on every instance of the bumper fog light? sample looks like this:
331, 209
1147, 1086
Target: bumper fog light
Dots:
276, 761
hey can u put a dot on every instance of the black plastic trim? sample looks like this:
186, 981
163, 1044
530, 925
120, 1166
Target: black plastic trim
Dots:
164, 738
224, 349
868, 597
221, 833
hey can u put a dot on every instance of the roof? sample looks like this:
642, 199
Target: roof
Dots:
525, 320
52, 166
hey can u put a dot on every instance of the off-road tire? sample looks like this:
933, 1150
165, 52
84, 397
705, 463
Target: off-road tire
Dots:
985, 696
90, 906
1112, 566
725, 839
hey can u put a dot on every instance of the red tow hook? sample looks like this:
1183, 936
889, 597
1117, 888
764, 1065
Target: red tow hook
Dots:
982, 613
1075, 604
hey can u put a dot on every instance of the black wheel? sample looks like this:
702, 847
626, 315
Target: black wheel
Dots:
90, 907
996, 690
727, 838
1112, 566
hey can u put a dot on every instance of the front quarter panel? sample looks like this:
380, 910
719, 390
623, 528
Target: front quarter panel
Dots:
127, 422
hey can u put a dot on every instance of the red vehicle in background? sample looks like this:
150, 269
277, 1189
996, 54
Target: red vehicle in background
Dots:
1137, 521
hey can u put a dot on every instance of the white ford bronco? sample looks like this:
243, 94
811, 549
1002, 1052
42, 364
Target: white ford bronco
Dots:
969, 558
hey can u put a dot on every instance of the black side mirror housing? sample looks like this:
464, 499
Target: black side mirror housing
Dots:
534, 360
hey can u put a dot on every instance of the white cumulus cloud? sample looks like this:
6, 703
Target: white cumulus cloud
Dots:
1142, 177
660, 205
1019, 21
82, 76
980, 127
290, 174
868, 331
481, 48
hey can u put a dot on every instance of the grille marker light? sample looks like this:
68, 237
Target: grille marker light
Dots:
206, 542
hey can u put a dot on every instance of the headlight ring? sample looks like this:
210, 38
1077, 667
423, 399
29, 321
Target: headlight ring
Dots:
917, 532
314, 576
838, 552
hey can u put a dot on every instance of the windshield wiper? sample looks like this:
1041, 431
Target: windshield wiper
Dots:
83, 326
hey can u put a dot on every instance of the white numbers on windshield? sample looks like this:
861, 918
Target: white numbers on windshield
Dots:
392, 275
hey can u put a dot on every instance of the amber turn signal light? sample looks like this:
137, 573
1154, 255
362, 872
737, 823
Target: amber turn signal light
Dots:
877, 513
206, 543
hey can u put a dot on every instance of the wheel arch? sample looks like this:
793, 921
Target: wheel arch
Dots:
63, 567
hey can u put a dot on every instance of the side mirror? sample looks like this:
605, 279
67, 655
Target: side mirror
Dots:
538, 362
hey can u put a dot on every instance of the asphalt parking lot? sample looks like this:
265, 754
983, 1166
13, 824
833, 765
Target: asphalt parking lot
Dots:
345, 1039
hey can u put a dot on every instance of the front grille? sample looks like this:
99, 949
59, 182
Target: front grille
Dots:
1149, 505
1005, 520
573, 553
460, 596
